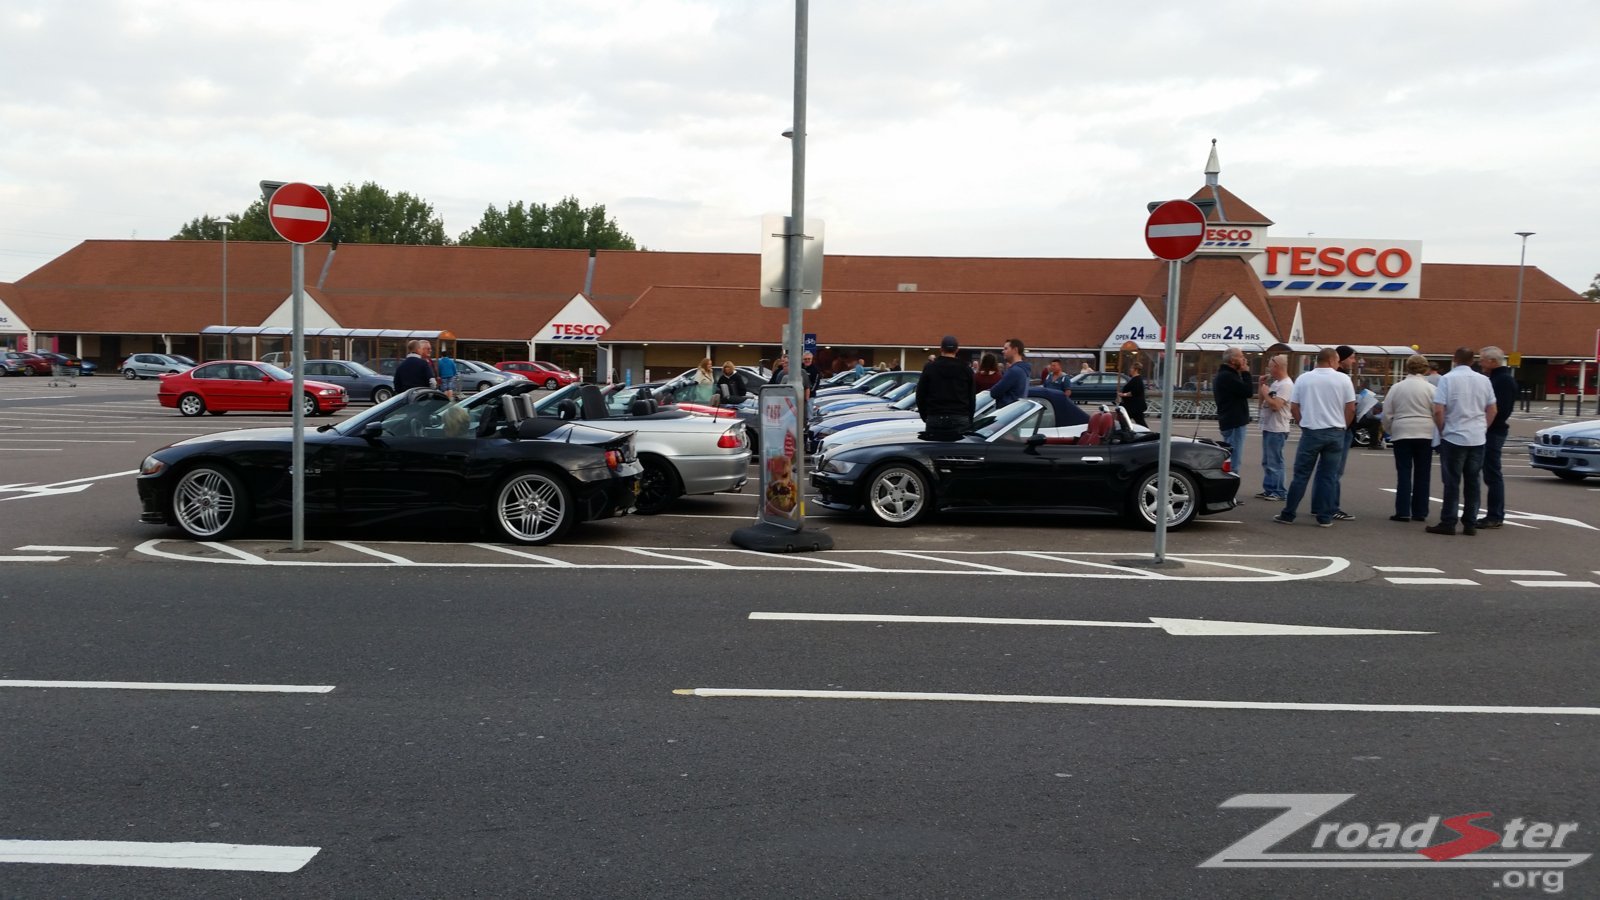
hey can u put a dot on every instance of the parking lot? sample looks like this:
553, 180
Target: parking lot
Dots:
1012, 706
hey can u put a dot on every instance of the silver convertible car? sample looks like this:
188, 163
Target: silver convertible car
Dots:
682, 453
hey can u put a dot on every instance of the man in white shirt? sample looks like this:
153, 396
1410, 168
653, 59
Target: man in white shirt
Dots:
1325, 403
1463, 407
1274, 394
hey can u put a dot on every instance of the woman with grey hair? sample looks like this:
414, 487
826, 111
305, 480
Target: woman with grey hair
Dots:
1408, 417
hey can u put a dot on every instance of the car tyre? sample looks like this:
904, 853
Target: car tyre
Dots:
659, 486
191, 404
532, 507
484, 385
381, 394
1571, 476
129, 374
898, 495
308, 404
209, 503
1144, 501
551, 384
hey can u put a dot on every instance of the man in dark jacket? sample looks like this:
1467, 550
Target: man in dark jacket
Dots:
414, 371
944, 394
1232, 391
1504, 382
1013, 385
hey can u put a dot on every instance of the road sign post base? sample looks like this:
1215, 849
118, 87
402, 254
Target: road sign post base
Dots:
764, 538
1150, 562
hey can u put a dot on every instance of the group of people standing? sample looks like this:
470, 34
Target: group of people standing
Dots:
421, 369
1463, 415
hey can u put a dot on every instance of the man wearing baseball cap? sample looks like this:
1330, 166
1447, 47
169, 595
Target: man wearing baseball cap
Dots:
945, 394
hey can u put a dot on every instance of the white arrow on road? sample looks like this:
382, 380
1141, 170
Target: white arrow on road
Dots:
1180, 627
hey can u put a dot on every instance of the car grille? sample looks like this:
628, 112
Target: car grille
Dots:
1554, 439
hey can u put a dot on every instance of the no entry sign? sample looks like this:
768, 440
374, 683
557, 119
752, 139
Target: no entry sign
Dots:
1175, 229
299, 213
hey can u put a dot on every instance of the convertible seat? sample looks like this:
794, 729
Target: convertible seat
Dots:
593, 402
1099, 426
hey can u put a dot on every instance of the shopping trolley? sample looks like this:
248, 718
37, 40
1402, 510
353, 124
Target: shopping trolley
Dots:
64, 375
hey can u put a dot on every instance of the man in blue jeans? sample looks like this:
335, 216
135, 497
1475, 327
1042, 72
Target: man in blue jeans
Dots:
1463, 407
1324, 402
1232, 391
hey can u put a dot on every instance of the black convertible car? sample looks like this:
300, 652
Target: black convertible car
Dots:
1022, 460
416, 460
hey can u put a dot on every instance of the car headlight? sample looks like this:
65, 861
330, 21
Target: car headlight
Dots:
328, 392
837, 467
1586, 443
151, 466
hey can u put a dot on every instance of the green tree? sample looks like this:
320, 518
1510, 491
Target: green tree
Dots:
1593, 293
368, 214
567, 224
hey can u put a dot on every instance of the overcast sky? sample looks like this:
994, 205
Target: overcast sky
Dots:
959, 128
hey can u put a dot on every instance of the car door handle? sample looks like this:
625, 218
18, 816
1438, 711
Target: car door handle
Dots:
455, 456
1089, 459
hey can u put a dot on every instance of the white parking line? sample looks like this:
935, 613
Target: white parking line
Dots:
172, 686
510, 551
31, 449
50, 548
709, 564
1555, 584
1417, 569
177, 855
1134, 701
1465, 581
31, 558
954, 562
1545, 572
1176, 627
359, 548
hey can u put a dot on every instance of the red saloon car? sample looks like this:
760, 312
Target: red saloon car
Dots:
547, 375
18, 362
231, 385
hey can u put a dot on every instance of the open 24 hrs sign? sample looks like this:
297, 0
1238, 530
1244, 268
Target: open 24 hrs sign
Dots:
1232, 333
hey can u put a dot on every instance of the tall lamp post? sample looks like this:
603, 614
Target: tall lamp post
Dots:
1516, 327
225, 223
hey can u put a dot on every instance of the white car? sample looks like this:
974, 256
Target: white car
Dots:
1571, 451
153, 365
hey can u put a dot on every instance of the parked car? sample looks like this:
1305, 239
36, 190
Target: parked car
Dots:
882, 397
239, 385
867, 383
1571, 451
19, 362
472, 375
84, 366
1096, 387
680, 388
902, 416
360, 383
153, 365
416, 460
538, 373
681, 453
1024, 460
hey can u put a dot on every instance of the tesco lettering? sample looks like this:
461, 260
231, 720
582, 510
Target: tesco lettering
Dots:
1228, 234
578, 330
1362, 262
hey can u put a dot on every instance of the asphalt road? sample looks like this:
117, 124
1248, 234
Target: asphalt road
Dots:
488, 725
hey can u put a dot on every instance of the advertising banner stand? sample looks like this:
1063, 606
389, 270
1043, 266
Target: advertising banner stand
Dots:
780, 504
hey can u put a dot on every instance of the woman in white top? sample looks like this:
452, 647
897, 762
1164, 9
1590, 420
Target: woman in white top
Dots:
1408, 417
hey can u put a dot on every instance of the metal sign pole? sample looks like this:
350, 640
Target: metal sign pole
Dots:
1168, 389
297, 462
795, 346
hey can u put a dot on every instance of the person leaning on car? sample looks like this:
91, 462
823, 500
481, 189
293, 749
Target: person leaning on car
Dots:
944, 394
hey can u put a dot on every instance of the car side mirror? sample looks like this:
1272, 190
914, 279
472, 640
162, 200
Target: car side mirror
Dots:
372, 431
1035, 440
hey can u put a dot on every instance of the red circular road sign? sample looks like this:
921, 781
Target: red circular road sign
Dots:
299, 213
1175, 229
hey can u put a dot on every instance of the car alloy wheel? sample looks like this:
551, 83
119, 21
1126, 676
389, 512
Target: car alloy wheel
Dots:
484, 385
129, 374
897, 495
308, 404
381, 394
658, 486
533, 508
191, 404
209, 504
551, 384
1182, 501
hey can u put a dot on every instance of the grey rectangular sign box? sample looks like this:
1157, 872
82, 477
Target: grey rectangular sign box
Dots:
774, 253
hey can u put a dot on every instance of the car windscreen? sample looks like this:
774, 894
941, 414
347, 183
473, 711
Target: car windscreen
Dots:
909, 401
1007, 417
901, 392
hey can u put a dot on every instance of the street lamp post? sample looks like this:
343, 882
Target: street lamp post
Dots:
225, 223
1516, 327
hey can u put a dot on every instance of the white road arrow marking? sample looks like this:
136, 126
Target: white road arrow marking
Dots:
173, 686
179, 855
1179, 627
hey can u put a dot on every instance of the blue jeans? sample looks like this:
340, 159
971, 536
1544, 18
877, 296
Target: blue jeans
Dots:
1413, 472
1321, 449
1338, 485
1234, 437
1493, 478
1272, 462
1457, 464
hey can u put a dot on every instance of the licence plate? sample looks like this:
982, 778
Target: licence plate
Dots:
1543, 451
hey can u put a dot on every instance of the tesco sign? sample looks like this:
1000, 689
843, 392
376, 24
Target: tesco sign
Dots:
559, 329
1341, 267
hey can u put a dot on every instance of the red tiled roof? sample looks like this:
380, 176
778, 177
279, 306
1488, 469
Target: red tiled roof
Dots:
1229, 208
1547, 325
1207, 283
874, 318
